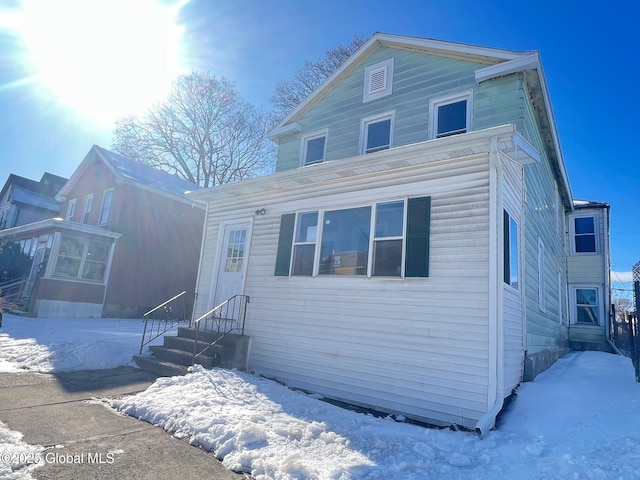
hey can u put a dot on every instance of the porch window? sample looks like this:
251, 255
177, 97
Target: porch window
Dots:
394, 243
587, 308
82, 259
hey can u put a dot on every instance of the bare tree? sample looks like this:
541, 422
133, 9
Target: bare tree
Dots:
203, 132
288, 94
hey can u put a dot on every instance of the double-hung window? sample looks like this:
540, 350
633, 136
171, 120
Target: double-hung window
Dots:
377, 133
314, 148
106, 207
586, 306
88, 206
583, 232
450, 115
71, 209
386, 239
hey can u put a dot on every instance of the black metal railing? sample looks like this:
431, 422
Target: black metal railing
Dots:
226, 318
164, 317
12, 293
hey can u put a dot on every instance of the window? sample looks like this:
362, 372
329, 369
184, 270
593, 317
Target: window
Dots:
450, 115
378, 80
377, 133
235, 250
583, 232
313, 148
71, 209
304, 248
106, 207
344, 249
587, 308
542, 303
394, 243
88, 205
387, 241
82, 259
511, 251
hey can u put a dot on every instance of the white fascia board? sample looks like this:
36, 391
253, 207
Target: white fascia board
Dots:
58, 223
532, 155
524, 62
287, 129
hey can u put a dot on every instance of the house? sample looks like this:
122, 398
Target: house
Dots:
410, 254
23, 200
129, 239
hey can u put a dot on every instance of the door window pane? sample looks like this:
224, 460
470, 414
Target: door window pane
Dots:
235, 251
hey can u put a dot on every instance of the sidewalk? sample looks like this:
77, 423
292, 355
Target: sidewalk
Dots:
93, 441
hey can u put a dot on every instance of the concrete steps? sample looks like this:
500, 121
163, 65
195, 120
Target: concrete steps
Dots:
176, 354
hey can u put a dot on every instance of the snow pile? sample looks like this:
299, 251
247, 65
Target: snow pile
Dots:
16, 457
56, 345
577, 420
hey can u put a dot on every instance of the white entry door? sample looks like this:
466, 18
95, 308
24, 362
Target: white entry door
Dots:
233, 262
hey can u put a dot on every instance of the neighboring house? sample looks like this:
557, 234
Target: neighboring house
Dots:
410, 252
588, 265
129, 239
25, 201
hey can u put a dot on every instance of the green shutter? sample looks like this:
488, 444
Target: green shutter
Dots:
418, 222
285, 242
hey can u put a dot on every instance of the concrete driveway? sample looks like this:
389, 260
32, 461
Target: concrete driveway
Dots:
86, 440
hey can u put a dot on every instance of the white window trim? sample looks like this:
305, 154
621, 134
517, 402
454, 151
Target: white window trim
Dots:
596, 230
71, 209
104, 197
508, 285
387, 68
374, 119
88, 203
303, 146
442, 101
55, 251
316, 256
542, 301
573, 303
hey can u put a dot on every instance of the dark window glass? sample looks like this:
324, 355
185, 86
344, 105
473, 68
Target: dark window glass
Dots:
452, 119
387, 258
345, 242
315, 150
389, 219
303, 259
378, 135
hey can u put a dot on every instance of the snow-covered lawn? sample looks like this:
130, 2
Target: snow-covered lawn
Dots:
578, 420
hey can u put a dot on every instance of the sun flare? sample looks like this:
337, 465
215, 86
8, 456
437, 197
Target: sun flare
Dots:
102, 58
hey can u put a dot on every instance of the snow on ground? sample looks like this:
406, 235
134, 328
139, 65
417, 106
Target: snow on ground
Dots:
16, 457
578, 420
57, 345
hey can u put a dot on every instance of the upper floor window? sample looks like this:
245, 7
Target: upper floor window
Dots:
377, 133
583, 234
88, 206
450, 115
71, 209
106, 207
378, 80
314, 148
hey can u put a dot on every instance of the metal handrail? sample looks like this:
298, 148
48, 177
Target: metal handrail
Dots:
160, 326
222, 321
16, 289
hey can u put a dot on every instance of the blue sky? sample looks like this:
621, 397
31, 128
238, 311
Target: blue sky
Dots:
588, 54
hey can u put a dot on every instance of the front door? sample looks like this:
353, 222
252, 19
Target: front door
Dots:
233, 262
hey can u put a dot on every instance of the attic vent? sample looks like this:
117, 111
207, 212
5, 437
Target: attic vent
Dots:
378, 80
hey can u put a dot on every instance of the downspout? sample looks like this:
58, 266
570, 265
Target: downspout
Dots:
495, 396
607, 286
202, 242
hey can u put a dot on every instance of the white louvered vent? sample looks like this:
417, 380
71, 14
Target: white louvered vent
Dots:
378, 80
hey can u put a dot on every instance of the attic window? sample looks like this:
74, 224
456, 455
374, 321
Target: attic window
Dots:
378, 80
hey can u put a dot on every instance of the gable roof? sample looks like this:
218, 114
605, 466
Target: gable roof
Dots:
127, 170
30, 192
499, 63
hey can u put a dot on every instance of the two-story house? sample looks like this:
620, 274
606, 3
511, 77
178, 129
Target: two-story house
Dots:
23, 200
410, 252
129, 239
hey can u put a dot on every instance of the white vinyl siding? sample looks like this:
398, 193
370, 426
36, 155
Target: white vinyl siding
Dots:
378, 341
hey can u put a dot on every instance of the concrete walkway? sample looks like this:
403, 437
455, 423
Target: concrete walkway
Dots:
93, 441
